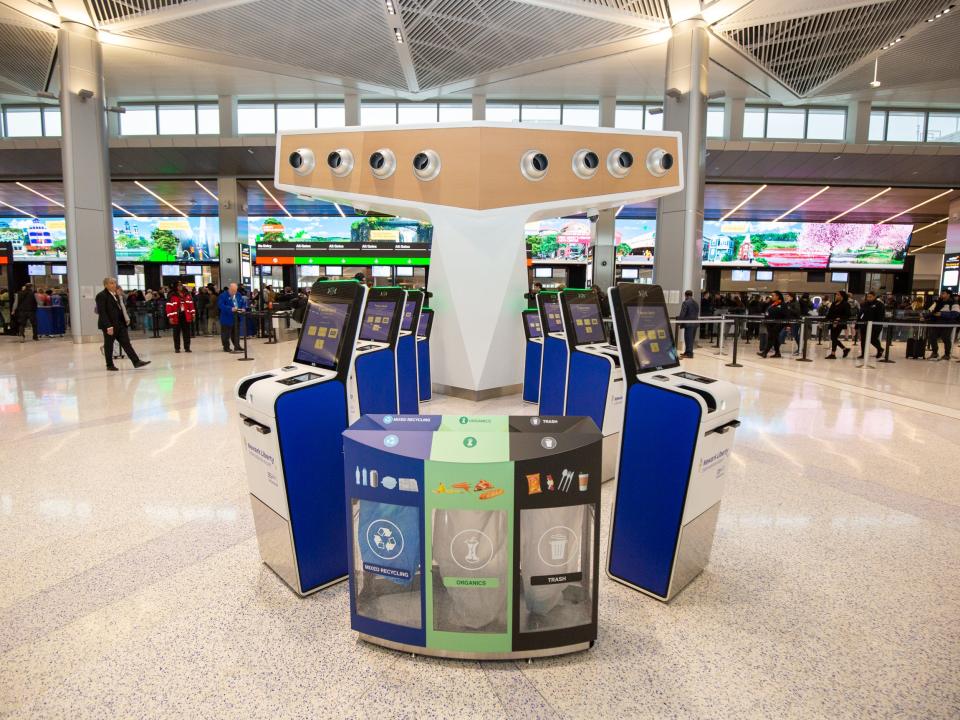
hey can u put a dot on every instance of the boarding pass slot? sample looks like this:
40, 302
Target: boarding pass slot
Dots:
725, 428
259, 427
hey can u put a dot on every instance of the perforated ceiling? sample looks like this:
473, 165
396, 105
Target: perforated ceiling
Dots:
108, 10
26, 54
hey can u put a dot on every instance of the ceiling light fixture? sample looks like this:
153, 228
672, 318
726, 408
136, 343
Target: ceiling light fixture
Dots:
800, 205
273, 197
935, 222
124, 210
391, 10
924, 247
619, 210
206, 190
860, 204
14, 207
935, 197
40, 194
892, 43
398, 35
940, 14
340, 210
875, 83
151, 192
750, 197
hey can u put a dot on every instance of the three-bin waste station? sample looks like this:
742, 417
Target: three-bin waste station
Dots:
474, 536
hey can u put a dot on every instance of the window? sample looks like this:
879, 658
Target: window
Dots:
51, 122
208, 119
139, 120
943, 127
826, 124
378, 114
23, 122
416, 113
330, 115
629, 117
581, 115
256, 119
540, 114
786, 123
456, 112
878, 122
296, 116
905, 126
715, 121
503, 112
754, 122
652, 120
178, 119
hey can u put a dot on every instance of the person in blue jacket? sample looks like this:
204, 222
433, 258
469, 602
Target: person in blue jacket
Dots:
229, 303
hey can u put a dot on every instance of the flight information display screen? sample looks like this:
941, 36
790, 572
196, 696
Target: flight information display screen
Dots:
651, 338
533, 325
587, 323
551, 308
377, 319
322, 335
408, 308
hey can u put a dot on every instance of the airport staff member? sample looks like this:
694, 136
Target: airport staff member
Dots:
180, 315
229, 303
113, 320
689, 310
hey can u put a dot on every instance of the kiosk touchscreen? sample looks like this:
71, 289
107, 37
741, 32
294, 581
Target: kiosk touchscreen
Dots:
533, 355
595, 385
424, 327
408, 371
373, 382
553, 365
677, 437
292, 420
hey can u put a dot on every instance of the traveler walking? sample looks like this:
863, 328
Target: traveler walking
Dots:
229, 303
776, 314
871, 310
113, 320
26, 310
180, 315
837, 317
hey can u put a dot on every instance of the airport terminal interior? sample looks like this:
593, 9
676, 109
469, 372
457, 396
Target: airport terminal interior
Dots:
479, 359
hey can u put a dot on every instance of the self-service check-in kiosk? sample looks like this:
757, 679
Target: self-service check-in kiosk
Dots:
678, 431
374, 381
292, 420
425, 379
556, 356
533, 356
408, 369
595, 386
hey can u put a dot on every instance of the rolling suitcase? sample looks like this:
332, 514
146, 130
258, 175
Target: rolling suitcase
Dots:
915, 348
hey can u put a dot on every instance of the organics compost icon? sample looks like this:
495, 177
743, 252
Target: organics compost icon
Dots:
384, 539
471, 549
463, 420
469, 441
558, 545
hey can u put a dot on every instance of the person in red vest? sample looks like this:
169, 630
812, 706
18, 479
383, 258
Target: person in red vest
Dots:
180, 314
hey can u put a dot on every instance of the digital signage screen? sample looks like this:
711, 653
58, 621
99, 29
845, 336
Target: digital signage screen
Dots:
812, 246
377, 320
322, 334
164, 239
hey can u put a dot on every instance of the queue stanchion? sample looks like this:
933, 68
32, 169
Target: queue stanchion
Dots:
723, 330
736, 342
236, 325
271, 328
804, 338
865, 346
886, 346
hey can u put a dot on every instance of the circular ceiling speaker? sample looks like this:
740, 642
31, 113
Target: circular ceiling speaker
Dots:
383, 163
302, 161
659, 162
340, 162
585, 163
619, 162
533, 165
426, 165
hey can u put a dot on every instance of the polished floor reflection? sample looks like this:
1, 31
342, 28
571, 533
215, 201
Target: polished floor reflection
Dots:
132, 586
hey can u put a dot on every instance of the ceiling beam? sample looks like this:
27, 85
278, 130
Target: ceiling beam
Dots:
394, 24
170, 13
30, 11
681, 10
597, 12
74, 11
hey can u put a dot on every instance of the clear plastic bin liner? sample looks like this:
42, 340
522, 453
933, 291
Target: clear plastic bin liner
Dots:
471, 563
388, 577
556, 565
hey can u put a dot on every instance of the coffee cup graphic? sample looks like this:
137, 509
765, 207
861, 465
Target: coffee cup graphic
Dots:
584, 479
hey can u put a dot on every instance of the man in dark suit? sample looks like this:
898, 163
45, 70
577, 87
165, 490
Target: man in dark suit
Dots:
113, 320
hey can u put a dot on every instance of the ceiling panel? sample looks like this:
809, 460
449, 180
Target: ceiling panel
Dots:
106, 11
27, 50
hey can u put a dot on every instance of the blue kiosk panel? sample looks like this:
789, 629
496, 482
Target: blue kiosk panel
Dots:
589, 385
423, 354
533, 357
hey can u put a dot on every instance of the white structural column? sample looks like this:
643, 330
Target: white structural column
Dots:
604, 229
351, 109
733, 111
858, 122
228, 192
227, 106
86, 175
479, 106
680, 215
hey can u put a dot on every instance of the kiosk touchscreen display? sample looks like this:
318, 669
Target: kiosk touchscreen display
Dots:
423, 324
322, 334
587, 323
408, 309
551, 309
651, 338
533, 324
376, 321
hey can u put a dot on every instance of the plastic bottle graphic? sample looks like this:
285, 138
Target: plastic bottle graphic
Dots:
364, 477
358, 474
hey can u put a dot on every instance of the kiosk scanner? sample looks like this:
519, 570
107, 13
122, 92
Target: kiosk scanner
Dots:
678, 431
556, 356
290, 417
373, 382
595, 385
425, 381
408, 371
533, 356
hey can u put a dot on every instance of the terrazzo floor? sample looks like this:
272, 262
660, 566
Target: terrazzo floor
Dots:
132, 585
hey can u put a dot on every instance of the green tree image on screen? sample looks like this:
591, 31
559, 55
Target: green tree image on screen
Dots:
164, 245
